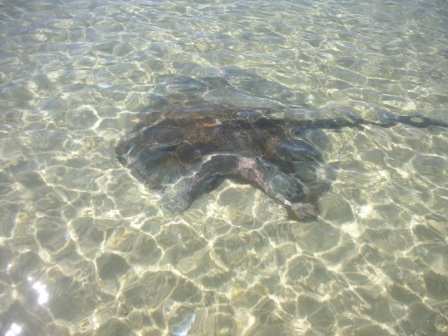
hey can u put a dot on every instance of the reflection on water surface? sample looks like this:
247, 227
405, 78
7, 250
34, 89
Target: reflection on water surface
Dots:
86, 249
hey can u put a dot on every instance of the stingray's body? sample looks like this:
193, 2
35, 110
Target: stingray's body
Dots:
186, 151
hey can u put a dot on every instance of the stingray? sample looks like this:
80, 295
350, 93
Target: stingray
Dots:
186, 151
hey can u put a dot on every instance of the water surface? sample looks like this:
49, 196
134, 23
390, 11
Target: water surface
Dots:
85, 249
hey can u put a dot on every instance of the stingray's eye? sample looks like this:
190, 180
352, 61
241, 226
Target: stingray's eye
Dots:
295, 149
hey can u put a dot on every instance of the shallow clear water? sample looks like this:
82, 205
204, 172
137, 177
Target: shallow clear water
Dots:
85, 249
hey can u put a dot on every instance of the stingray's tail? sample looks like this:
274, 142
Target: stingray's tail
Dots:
386, 120
416, 120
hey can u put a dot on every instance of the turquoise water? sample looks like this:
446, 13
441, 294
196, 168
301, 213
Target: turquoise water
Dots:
85, 249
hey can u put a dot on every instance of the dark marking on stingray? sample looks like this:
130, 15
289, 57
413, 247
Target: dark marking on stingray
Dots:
188, 150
